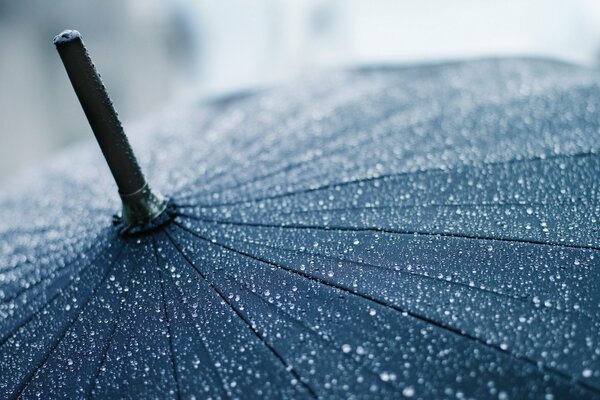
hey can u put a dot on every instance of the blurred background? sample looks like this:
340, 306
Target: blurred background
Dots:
154, 54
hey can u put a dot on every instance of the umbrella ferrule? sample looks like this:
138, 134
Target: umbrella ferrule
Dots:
142, 206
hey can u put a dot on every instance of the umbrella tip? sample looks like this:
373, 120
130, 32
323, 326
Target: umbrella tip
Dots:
66, 36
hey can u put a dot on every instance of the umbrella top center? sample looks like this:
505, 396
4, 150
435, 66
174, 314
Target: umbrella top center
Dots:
162, 219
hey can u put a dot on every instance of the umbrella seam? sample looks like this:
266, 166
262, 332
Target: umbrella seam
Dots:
329, 342
387, 115
391, 231
94, 380
46, 258
557, 373
63, 243
519, 298
246, 321
202, 340
290, 166
29, 377
37, 229
437, 170
58, 293
167, 321
408, 206
44, 278
403, 206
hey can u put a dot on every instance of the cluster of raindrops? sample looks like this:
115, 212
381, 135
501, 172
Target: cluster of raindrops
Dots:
411, 232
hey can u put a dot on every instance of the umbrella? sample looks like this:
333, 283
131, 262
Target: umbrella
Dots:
424, 231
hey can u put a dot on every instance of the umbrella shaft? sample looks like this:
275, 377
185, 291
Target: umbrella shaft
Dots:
100, 113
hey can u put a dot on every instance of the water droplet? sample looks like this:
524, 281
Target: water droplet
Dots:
408, 391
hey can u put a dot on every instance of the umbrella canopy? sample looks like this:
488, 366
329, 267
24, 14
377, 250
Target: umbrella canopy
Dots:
426, 232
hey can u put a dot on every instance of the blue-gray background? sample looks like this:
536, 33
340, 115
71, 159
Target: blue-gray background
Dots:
154, 54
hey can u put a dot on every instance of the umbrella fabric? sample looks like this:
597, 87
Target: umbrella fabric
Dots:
424, 232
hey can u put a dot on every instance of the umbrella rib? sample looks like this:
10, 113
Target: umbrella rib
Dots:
45, 276
39, 281
94, 381
206, 126
57, 253
237, 186
405, 206
58, 293
328, 342
381, 119
262, 339
392, 231
202, 340
64, 244
29, 377
427, 172
36, 229
385, 115
47, 264
31, 230
436, 170
383, 268
167, 321
423, 318
518, 298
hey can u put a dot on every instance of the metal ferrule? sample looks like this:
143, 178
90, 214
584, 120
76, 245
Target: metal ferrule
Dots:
142, 206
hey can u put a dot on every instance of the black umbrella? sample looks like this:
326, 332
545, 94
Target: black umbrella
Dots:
426, 232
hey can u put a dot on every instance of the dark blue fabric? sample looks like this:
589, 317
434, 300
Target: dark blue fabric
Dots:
419, 232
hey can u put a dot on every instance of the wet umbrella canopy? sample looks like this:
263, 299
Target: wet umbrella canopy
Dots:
426, 232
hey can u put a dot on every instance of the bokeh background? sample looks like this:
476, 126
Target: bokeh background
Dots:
155, 54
